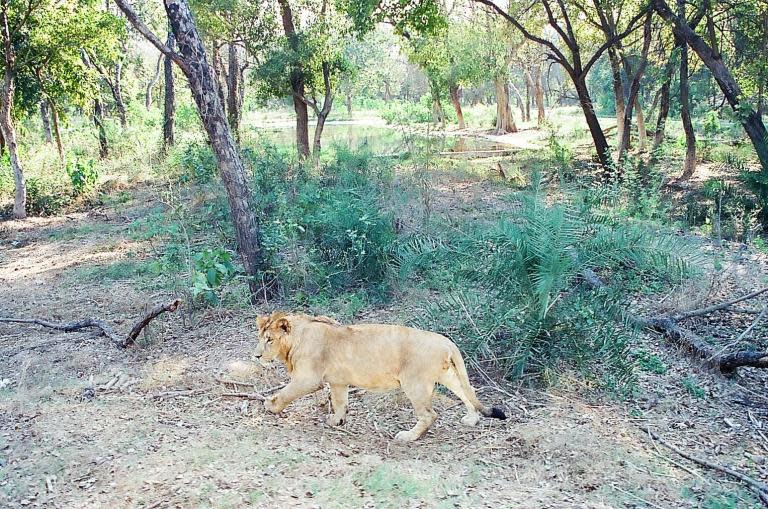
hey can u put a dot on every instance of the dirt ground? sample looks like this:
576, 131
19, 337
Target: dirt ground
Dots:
86, 424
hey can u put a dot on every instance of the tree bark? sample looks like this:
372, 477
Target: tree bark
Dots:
297, 79
98, 120
233, 90
634, 90
689, 163
348, 101
454, 91
750, 120
194, 63
45, 116
642, 133
528, 98
9, 133
618, 94
152, 83
57, 130
169, 102
661, 121
322, 113
598, 136
538, 95
505, 122
117, 92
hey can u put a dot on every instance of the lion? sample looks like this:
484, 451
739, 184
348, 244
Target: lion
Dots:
319, 350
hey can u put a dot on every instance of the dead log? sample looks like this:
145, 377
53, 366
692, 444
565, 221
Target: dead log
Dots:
726, 363
107, 330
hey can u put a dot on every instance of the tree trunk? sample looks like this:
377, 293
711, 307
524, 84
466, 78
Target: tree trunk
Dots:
505, 123
169, 103
538, 95
387, 92
117, 91
46, 118
519, 98
297, 79
233, 91
598, 137
454, 91
98, 120
528, 98
209, 105
152, 83
618, 94
57, 131
642, 133
689, 163
322, 113
9, 133
218, 73
750, 120
634, 90
349, 104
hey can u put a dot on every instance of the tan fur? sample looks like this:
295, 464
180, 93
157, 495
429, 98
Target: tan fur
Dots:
319, 350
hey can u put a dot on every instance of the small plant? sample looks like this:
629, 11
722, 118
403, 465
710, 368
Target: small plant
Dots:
561, 155
650, 362
82, 175
211, 269
693, 388
197, 163
43, 198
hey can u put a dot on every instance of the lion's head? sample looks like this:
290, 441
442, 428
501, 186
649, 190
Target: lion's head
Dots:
272, 332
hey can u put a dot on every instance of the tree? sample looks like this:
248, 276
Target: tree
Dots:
747, 115
573, 59
41, 59
169, 100
193, 62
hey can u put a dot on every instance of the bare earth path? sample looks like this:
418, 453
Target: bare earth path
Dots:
85, 424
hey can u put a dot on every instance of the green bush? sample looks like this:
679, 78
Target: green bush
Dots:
44, 198
211, 269
195, 163
82, 175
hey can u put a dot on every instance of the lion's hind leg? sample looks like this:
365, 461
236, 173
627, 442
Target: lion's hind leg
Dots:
420, 395
339, 402
451, 380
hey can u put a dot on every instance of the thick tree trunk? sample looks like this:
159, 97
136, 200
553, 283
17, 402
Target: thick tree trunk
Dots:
618, 94
233, 90
750, 120
205, 92
598, 137
152, 83
297, 79
9, 133
46, 118
98, 120
169, 103
505, 123
454, 91
57, 131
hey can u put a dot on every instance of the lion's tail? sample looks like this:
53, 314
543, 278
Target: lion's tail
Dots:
461, 372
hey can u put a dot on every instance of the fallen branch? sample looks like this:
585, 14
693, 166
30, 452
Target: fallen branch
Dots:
759, 487
253, 395
727, 363
105, 329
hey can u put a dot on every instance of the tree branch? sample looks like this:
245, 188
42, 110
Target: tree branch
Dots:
105, 329
631, 27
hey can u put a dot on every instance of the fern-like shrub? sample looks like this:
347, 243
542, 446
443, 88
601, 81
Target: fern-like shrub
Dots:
513, 293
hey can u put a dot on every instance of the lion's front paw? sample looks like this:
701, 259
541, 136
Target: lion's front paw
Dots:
406, 436
335, 420
470, 419
270, 405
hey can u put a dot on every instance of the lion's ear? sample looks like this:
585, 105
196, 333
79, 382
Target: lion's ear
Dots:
284, 325
261, 322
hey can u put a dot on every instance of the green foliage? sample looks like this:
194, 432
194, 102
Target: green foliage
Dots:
561, 155
650, 362
44, 198
211, 269
512, 293
693, 388
195, 163
82, 174
408, 112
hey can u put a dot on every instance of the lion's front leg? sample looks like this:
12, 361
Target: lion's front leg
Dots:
295, 389
339, 401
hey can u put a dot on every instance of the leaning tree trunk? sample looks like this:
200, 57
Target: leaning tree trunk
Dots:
454, 91
634, 90
57, 130
661, 121
538, 95
9, 133
233, 90
98, 120
45, 116
505, 123
750, 120
193, 61
152, 83
598, 137
169, 103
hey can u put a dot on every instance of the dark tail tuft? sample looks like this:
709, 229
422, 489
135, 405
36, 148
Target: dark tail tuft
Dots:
498, 413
